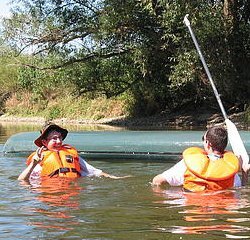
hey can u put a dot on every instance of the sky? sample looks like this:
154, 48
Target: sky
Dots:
4, 8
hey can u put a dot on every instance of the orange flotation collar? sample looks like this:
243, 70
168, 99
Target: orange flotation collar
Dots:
205, 174
63, 163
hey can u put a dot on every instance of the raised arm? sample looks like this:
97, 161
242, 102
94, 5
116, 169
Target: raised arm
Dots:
28, 170
35, 159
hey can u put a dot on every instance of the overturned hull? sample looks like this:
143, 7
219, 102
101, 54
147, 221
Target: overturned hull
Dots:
119, 144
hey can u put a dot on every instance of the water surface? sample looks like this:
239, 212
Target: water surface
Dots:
99, 208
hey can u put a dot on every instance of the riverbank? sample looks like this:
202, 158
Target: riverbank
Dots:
163, 121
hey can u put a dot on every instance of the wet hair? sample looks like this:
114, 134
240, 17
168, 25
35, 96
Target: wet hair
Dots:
217, 137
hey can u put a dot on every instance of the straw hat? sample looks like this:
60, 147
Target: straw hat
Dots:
46, 130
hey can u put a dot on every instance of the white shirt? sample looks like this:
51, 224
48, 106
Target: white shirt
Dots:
175, 175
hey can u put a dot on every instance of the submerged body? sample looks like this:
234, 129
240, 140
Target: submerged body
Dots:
198, 172
55, 159
203, 170
54, 164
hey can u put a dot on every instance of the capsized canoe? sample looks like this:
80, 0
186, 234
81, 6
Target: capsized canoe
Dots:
119, 144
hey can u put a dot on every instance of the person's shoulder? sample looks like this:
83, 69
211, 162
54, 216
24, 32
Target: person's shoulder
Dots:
193, 150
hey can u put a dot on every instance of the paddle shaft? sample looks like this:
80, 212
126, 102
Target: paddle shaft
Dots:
234, 136
186, 21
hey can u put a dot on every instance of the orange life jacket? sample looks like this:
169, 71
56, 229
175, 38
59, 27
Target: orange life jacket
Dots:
62, 163
205, 174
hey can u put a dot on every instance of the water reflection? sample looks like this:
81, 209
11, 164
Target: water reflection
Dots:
209, 212
99, 208
59, 197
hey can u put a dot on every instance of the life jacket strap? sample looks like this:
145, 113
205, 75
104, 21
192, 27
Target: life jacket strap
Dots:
64, 170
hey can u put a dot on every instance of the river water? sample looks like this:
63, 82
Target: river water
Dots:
99, 208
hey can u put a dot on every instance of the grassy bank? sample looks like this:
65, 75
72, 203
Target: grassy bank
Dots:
25, 107
66, 106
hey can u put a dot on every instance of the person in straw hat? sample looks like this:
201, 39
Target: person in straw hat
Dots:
53, 158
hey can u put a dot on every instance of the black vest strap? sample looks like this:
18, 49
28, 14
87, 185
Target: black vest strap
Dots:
64, 170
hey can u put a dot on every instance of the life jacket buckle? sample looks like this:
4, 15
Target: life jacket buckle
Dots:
64, 170
69, 159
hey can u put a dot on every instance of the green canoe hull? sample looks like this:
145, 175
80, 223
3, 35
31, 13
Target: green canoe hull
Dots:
120, 144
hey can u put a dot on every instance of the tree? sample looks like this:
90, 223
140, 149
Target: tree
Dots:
237, 17
139, 47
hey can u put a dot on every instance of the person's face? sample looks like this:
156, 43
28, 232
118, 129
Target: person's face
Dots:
53, 141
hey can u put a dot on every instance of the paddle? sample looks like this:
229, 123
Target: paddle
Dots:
233, 134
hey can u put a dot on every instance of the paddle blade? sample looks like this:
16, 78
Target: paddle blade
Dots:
237, 144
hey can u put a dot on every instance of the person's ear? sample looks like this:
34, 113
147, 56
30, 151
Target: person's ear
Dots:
209, 145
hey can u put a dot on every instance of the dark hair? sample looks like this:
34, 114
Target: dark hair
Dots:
217, 137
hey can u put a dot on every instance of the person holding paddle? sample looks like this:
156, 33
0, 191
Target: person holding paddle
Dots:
211, 168
55, 159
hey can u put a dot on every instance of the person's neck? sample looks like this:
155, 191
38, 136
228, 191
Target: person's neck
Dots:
214, 152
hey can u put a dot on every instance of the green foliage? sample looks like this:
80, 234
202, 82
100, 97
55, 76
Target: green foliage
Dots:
101, 76
8, 71
54, 113
140, 50
45, 84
